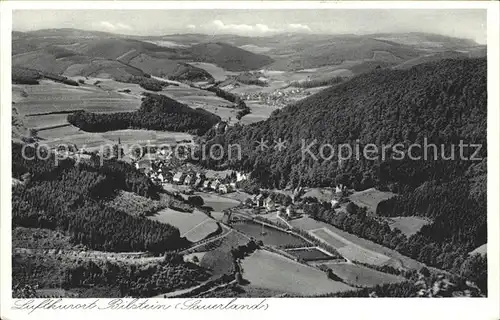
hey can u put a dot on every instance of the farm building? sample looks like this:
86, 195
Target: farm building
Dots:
290, 211
161, 177
215, 184
178, 177
198, 183
241, 176
189, 179
206, 184
269, 204
224, 188
340, 189
334, 202
259, 200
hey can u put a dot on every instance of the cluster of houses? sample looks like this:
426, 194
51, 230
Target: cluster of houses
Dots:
277, 98
260, 200
340, 190
197, 180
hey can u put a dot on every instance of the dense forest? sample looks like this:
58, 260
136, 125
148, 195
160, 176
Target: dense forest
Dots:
441, 103
157, 112
73, 198
104, 278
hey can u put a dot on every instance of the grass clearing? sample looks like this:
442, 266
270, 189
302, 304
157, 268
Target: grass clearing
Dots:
92, 140
50, 96
370, 198
184, 221
330, 238
264, 269
357, 275
408, 225
201, 231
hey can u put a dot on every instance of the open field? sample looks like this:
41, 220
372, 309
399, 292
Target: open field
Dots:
271, 236
361, 276
358, 248
92, 140
50, 96
329, 237
44, 121
195, 226
216, 202
408, 225
350, 250
482, 250
321, 194
264, 269
370, 198
201, 231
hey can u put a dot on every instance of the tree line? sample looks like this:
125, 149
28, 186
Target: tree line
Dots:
157, 112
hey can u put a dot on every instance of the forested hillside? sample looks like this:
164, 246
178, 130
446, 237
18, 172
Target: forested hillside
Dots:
72, 198
157, 112
441, 102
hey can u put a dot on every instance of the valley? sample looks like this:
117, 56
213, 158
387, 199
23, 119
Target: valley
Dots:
132, 220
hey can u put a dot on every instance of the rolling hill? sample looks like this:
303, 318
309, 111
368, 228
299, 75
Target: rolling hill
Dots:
74, 52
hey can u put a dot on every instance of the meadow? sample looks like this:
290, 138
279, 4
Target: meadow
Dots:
370, 198
194, 226
50, 96
408, 225
357, 248
361, 276
95, 140
264, 269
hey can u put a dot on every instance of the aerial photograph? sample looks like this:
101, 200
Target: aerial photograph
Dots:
247, 153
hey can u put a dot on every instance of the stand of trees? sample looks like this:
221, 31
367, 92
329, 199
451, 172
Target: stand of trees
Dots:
157, 112
109, 279
317, 82
73, 198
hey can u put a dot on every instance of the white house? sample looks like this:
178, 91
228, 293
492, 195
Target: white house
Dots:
339, 188
259, 200
223, 188
241, 176
161, 177
206, 184
290, 211
269, 204
215, 184
334, 202
189, 179
178, 177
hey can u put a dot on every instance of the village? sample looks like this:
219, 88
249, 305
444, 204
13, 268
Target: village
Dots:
277, 98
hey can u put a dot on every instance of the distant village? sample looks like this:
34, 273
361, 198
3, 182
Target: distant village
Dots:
278, 98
